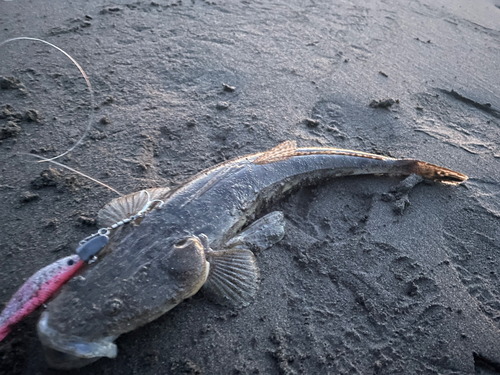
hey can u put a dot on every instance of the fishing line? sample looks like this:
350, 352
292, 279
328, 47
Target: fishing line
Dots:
91, 116
87, 81
75, 171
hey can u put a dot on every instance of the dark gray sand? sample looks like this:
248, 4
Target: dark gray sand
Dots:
354, 287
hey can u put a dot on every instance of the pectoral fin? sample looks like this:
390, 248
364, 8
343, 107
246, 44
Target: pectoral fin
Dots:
233, 278
262, 234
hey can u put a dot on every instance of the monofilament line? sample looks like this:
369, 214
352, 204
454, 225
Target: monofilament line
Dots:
75, 171
87, 81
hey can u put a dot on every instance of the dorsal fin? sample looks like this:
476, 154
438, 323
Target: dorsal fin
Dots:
282, 151
123, 207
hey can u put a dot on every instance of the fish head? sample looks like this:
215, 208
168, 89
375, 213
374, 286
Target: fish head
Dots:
124, 290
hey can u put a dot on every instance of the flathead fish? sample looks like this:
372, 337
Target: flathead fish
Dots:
200, 237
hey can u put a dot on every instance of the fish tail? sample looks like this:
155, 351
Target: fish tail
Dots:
432, 172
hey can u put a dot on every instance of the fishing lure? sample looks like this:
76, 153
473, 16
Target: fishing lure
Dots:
46, 282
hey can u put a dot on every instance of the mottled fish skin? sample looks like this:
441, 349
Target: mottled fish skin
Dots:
144, 273
37, 290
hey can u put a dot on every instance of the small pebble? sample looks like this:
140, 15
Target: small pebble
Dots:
222, 105
28, 196
228, 88
11, 130
32, 115
311, 123
386, 103
105, 120
191, 122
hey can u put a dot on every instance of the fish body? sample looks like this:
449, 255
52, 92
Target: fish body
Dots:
200, 237
37, 290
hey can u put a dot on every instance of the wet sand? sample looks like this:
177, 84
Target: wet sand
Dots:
355, 286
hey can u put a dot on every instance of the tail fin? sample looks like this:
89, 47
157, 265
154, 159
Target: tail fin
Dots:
434, 172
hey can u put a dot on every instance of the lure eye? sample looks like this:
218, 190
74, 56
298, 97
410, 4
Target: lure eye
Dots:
71, 262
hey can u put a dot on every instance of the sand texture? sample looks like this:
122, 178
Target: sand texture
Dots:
356, 286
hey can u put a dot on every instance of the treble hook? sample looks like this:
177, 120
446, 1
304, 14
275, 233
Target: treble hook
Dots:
148, 203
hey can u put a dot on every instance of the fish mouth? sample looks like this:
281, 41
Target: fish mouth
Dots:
63, 351
63, 361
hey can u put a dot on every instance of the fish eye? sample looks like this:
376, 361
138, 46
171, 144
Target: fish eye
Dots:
71, 262
181, 242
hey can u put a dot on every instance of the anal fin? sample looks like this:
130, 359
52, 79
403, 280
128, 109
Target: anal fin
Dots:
399, 194
234, 277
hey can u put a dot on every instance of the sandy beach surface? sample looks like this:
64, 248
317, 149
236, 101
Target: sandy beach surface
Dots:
355, 287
